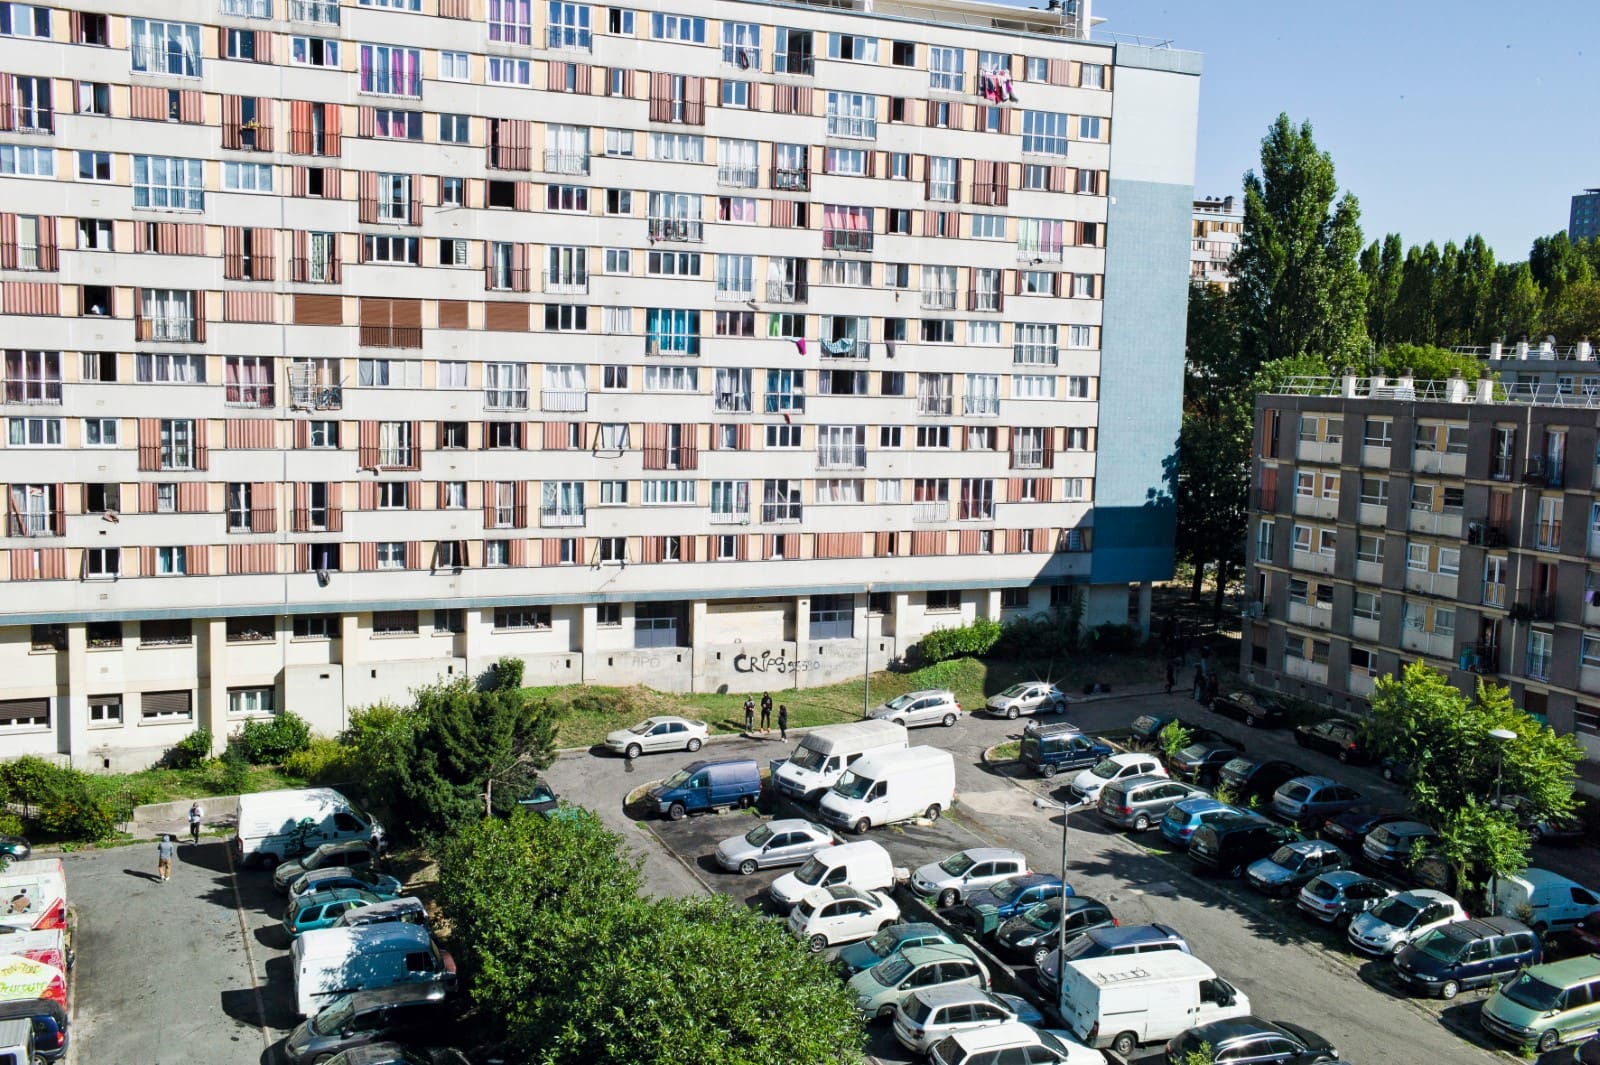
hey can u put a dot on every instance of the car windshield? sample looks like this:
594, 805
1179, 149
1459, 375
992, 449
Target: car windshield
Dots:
916, 1010
811, 872
1297, 793
851, 786
1530, 991
899, 702
319, 857
891, 972
758, 835
1144, 724
1078, 946
807, 758
333, 1016
643, 728
1108, 768
1238, 766
1321, 889
1006, 890
957, 864
1014, 691
1437, 944
1397, 912
884, 943
1288, 857
1042, 915
676, 780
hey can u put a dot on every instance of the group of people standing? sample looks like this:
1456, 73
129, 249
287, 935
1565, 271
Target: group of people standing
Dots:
766, 716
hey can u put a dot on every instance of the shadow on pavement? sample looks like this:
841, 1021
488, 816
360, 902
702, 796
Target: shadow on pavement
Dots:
212, 856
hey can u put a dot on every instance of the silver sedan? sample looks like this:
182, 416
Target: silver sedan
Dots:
773, 843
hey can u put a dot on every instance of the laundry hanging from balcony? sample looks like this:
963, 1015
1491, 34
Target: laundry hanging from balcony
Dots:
842, 346
995, 86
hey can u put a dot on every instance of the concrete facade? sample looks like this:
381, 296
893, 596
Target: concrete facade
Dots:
1217, 226
349, 346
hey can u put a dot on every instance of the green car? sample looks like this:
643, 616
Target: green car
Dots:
322, 909
1546, 1005
881, 988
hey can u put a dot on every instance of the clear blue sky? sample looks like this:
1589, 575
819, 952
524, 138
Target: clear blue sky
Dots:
1443, 118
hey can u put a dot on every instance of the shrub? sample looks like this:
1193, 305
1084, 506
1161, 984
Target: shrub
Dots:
1042, 635
234, 777
508, 672
1113, 638
271, 741
190, 752
58, 801
1174, 738
978, 638
323, 761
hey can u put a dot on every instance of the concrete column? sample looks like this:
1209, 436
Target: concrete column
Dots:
1145, 588
900, 609
212, 698
349, 659
989, 604
588, 636
802, 637
697, 645
72, 709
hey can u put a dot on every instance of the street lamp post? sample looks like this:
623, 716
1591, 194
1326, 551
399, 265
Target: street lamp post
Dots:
866, 656
1501, 737
1061, 924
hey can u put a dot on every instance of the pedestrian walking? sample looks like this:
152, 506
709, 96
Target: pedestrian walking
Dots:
195, 814
1199, 682
165, 850
1172, 675
749, 714
766, 711
1212, 685
783, 721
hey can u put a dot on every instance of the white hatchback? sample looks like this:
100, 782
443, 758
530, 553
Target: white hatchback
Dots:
839, 914
1085, 787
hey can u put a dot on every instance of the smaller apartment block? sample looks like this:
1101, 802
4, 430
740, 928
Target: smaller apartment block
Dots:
1218, 225
1454, 522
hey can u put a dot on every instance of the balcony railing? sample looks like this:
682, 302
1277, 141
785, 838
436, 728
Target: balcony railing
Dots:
684, 229
561, 162
730, 517
505, 398
742, 56
1534, 608
560, 519
733, 402
847, 239
1316, 617
938, 300
791, 179
1027, 458
982, 406
39, 393
735, 295
325, 12
1045, 253
938, 510
985, 300
506, 157
781, 513
33, 524
845, 348
33, 119
1313, 561
933, 404
166, 327
1372, 513
852, 127
1538, 667
248, 395
563, 400
565, 282
247, 8
842, 457
786, 292
1480, 533
1548, 537
739, 177
391, 336
572, 38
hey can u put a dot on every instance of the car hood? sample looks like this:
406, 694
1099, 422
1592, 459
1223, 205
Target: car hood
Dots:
1417, 961
620, 737
1016, 929
1003, 700
859, 957
1270, 872
287, 872
737, 849
1087, 782
932, 875
1369, 927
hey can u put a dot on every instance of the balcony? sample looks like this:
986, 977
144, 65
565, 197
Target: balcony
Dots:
1375, 455
1534, 608
1591, 608
1537, 667
791, 179
560, 162
936, 405
730, 517
1445, 462
781, 513
1359, 682
506, 157
563, 400
1493, 595
166, 327
1311, 561
322, 12
560, 519
35, 523
1430, 523
1304, 669
1548, 536
938, 300
1427, 582
391, 336
1316, 507
1311, 615
678, 229
33, 393
1482, 534
847, 239
1432, 644
930, 512
1027, 458
786, 292
246, 8
844, 457
735, 295
1364, 628
1319, 450
852, 127
1372, 513
248, 396
566, 282
738, 177
1368, 572
1043, 253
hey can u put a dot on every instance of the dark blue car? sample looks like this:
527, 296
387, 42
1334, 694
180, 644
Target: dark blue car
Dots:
983, 911
1466, 954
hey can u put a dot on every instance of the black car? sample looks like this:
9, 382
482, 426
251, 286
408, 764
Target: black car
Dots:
1228, 846
1254, 1040
1466, 954
395, 1054
1543, 829
1254, 710
1335, 736
1248, 779
1201, 762
1145, 732
1348, 829
1032, 934
415, 1013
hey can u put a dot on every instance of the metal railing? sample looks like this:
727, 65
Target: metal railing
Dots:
744, 57
324, 12
853, 127
168, 327
685, 229
730, 517
941, 299
560, 519
33, 524
33, 392
789, 179
563, 162
934, 404
781, 513
565, 282
735, 295
1044, 254
505, 398
563, 399
932, 511
739, 177
980, 405
248, 395
786, 292
841, 456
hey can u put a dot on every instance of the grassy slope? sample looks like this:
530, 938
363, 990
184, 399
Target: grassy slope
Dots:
593, 711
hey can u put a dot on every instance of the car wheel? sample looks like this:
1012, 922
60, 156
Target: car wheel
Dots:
1047, 770
948, 720
1141, 823
677, 812
948, 898
1549, 1040
747, 866
1251, 720
746, 801
694, 744
1039, 955
1448, 989
268, 860
1125, 1044
632, 751
1013, 713
1535, 832
1344, 755
862, 826
932, 812
885, 1012
1236, 871
1059, 707
818, 943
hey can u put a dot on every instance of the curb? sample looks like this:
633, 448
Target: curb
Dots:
715, 737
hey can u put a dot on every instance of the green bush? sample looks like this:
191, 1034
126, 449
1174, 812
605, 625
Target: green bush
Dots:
269, 742
234, 765
978, 638
323, 761
1113, 638
1041, 636
59, 802
508, 672
190, 752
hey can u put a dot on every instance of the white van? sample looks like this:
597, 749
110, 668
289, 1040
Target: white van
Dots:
862, 864
269, 824
1126, 1000
1544, 901
329, 962
827, 752
888, 786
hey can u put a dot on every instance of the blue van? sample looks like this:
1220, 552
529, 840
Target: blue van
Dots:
703, 786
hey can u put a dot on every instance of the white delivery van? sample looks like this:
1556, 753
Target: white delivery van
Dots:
329, 962
1544, 901
1124, 1000
886, 786
827, 752
269, 824
863, 864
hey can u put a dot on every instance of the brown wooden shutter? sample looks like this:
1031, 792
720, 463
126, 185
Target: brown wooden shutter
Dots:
1049, 449
8, 242
49, 259
300, 127
150, 444
263, 49
660, 98
368, 554
233, 252
262, 254
368, 208
414, 217
689, 447
694, 103
318, 310
655, 446
7, 117
264, 107
264, 507
366, 121
367, 446
232, 112
191, 107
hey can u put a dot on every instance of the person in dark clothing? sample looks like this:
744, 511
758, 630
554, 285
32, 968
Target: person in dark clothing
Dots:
1172, 675
1212, 684
1199, 683
749, 713
766, 711
783, 722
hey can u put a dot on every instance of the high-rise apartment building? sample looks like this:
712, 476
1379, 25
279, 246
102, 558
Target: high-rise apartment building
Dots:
1453, 522
349, 345
1583, 222
1218, 225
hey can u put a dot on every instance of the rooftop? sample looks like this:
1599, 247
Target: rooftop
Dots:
1049, 18
1485, 391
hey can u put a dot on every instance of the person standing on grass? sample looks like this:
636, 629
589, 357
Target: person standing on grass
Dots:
195, 814
749, 714
783, 721
166, 849
766, 711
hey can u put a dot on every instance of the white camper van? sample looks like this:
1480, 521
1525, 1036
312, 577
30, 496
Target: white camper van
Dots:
1124, 1000
270, 824
329, 962
827, 752
887, 786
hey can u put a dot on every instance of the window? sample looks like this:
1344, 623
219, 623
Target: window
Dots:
562, 503
388, 70
102, 563
667, 492
452, 191
453, 129
17, 161
1035, 344
389, 373
1040, 239
786, 391
671, 379
453, 66
514, 619
322, 434
163, 182
671, 331
568, 26
1044, 133
852, 115
511, 21
166, 706
34, 432
250, 701
394, 622
247, 177
667, 27
164, 47
944, 600
1370, 549
1090, 127
395, 444
389, 249
946, 68
730, 501
783, 437
31, 105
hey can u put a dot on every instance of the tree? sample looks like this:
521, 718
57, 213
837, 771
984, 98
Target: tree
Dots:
1299, 288
1415, 310
1428, 363
1213, 489
560, 952
1520, 301
1480, 842
1381, 268
1575, 313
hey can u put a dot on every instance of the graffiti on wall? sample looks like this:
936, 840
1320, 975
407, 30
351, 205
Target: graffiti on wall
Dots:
767, 662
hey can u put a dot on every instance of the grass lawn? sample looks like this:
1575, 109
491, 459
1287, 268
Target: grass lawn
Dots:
593, 711
170, 785
1007, 751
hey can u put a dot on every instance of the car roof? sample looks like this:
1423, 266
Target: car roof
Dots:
1053, 728
1129, 783
1409, 828
915, 928
1199, 804
1030, 879
996, 1036
790, 824
948, 994
1129, 757
937, 951
1478, 927
1233, 1028
322, 898
1315, 780
333, 872
989, 854
1134, 933
1345, 877
1427, 895
399, 994
931, 691
841, 891
1312, 846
